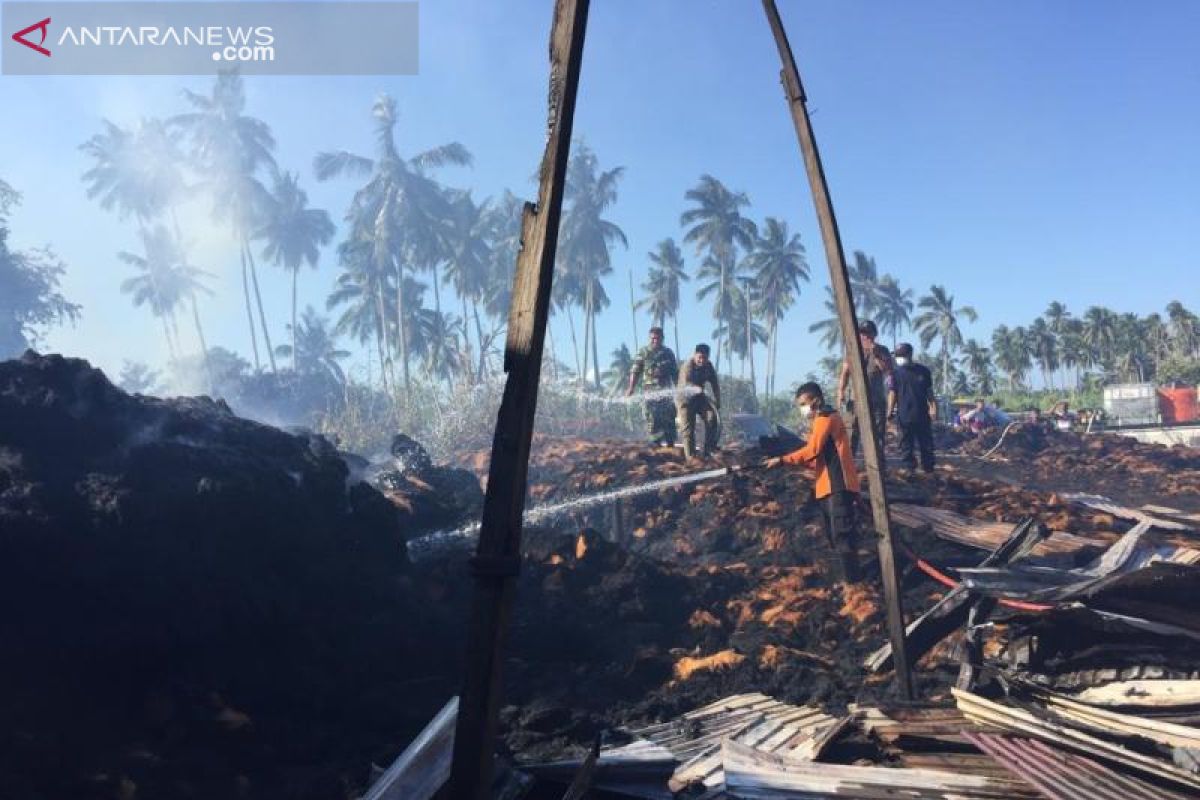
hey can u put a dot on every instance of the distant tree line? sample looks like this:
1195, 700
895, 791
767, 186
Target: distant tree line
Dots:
409, 240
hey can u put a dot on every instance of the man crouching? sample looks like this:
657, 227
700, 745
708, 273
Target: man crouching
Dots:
835, 487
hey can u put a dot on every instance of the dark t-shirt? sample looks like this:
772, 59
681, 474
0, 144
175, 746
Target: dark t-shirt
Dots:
914, 386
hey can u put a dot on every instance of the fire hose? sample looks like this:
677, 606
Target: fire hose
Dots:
944, 579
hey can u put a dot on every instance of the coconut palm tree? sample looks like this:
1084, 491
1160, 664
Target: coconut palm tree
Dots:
864, 284
468, 261
977, 361
401, 210
830, 327
663, 283
894, 307
362, 290
164, 282
716, 228
619, 368
1043, 347
939, 322
438, 341
229, 148
777, 266
138, 173
1100, 335
740, 330
586, 239
504, 242
1185, 329
293, 234
316, 350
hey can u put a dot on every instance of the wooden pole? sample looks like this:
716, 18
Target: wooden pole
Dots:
840, 282
498, 556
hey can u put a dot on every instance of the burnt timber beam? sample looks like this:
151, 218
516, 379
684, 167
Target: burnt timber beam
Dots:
498, 555
840, 281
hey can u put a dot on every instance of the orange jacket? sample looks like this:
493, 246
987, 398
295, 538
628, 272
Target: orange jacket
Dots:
829, 448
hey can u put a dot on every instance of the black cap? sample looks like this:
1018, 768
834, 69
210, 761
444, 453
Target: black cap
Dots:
867, 328
703, 348
657, 330
904, 350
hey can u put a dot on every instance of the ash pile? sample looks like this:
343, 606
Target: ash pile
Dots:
198, 605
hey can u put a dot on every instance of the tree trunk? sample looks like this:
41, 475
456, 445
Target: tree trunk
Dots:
167, 336
262, 318
595, 353
383, 341
587, 332
380, 345
750, 352
295, 280
403, 334
479, 339
574, 344
945, 368
249, 311
468, 360
212, 383
553, 352
675, 324
633, 313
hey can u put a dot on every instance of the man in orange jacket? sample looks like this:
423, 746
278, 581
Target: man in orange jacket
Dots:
835, 487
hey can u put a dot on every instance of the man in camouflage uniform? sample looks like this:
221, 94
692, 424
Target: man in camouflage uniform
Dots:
656, 367
693, 402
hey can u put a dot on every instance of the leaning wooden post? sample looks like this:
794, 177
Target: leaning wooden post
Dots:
840, 281
498, 556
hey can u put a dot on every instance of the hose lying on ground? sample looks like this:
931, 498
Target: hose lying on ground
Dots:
944, 579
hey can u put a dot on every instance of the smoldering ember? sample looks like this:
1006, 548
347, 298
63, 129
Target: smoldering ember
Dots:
308, 506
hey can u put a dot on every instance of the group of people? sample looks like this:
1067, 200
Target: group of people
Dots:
675, 395
900, 390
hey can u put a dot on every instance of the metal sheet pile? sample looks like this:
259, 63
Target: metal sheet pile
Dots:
1030, 744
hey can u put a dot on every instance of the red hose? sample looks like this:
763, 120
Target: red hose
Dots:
943, 578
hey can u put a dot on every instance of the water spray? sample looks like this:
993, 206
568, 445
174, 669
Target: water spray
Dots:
428, 546
669, 393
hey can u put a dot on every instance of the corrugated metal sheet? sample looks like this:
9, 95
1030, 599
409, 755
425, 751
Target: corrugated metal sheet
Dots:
1117, 510
755, 720
1061, 775
977, 533
693, 741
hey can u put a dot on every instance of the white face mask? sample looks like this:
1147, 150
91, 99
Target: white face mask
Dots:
901, 360
806, 411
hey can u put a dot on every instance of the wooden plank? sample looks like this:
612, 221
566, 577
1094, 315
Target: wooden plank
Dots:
1168, 734
982, 534
424, 766
1101, 503
498, 552
1143, 694
840, 282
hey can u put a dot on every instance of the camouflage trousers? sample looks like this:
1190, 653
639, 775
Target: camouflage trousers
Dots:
699, 406
660, 421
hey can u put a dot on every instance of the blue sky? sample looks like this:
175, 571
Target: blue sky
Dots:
1016, 152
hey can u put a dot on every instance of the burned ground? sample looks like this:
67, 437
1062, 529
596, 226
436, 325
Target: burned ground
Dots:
208, 607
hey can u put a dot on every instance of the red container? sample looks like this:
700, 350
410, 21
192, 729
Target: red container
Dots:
1179, 405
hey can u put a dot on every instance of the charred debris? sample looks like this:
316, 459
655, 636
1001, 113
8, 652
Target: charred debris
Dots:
207, 606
